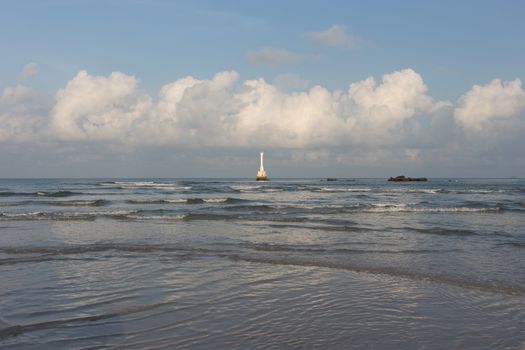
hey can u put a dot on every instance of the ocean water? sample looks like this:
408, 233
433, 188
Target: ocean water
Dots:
286, 264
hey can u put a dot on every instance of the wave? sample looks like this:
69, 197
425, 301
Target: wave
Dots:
158, 201
130, 185
280, 254
60, 203
15, 194
57, 194
339, 189
361, 208
90, 216
270, 247
227, 200
335, 228
40, 259
414, 190
187, 201
484, 191
117, 214
255, 188
16, 204
78, 203
61, 193
258, 207
250, 217
432, 210
216, 200
237, 212
458, 281
453, 191
35, 253
39, 215
442, 231
514, 244
90, 248
16, 330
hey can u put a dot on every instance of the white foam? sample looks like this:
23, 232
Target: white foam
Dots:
339, 189
158, 217
414, 190
148, 184
245, 188
430, 210
22, 215
390, 205
215, 200
177, 200
481, 191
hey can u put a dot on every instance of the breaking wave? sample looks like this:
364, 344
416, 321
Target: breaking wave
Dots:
339, 189
255, 188
187, 201
39, 194
57, 194
254, 212
79, 203
39, 215
432, 210
414, 190
131, 185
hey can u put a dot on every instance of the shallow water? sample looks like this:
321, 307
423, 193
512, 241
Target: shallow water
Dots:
238, 264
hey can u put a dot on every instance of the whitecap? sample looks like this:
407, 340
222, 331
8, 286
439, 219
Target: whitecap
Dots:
215, 200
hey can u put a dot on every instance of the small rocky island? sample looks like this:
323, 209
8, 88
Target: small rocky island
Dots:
403, 178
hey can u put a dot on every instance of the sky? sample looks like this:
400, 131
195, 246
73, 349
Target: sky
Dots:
136, 88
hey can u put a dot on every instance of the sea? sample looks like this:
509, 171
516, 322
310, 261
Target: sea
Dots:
240, 264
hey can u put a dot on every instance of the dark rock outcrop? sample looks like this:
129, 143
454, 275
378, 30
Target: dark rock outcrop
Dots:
403, 178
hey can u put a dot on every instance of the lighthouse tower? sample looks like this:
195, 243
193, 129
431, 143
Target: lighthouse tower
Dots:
261, 174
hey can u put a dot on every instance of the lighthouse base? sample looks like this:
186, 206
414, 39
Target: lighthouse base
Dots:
261, 175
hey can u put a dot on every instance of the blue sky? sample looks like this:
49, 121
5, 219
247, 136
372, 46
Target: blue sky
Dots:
451, 45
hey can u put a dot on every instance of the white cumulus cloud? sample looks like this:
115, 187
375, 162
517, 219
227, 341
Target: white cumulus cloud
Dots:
220, 113
484, 104
93, 108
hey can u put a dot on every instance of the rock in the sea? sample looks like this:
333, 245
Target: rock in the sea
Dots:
403, 178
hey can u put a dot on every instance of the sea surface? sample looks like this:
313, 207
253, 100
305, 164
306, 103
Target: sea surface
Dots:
239, 264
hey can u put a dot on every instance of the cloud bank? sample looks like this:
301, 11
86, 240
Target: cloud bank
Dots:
223, 112
370, 122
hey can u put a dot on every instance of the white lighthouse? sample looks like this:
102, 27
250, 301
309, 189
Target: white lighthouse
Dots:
261, 174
